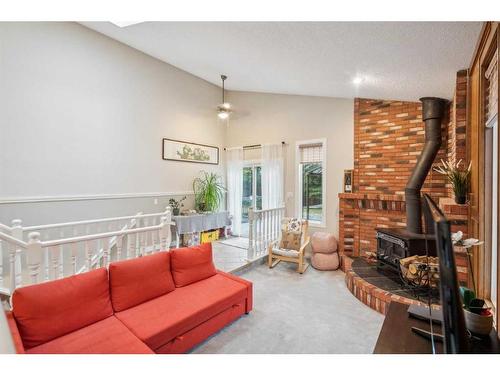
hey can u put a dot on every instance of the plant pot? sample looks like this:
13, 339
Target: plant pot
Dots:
176, 211
478, 324
460, 199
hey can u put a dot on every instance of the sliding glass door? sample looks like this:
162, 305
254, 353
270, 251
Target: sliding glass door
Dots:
252, 193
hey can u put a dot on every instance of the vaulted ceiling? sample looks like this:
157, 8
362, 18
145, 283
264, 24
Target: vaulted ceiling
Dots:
386, 60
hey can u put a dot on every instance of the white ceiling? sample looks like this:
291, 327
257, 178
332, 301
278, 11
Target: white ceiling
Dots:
396, 60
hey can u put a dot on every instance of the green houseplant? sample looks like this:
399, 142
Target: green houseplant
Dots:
458, 177
208, 191
176, 205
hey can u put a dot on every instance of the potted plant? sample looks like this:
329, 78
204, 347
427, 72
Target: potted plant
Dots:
208, 192
478, 316
176, 205
458, 177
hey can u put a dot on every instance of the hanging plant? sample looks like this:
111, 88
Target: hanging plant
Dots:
458, 177
208, 192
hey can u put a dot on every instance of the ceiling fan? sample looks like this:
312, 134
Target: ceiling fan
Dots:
223, 109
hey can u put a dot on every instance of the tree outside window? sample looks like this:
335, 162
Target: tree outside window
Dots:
312, 191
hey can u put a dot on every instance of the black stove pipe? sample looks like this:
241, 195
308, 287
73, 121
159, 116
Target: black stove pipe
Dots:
432, 114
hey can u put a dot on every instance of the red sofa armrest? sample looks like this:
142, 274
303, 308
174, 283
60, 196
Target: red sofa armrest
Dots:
248, 284
16, 337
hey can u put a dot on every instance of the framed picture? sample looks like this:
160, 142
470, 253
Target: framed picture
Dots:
348, 180
189, 152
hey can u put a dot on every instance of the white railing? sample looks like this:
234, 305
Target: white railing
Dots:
264, 227
71, 248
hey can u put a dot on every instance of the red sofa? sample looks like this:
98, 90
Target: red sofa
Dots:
162, 303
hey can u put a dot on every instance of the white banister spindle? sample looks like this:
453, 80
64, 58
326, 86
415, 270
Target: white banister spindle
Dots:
264, 223
261, 234
268, 225
257, 233
264, 233
147, 242
17, 232
14, 282
164, 219
141, 243
168, 230
137, 247
275, 227
126, 246
34, 256
105, 252
61, 251
74, 254
119, 246
131, 246
54, 260
251, 234
164, 234
155, 238
88, 255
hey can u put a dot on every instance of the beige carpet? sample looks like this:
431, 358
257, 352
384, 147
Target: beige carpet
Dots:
293, 313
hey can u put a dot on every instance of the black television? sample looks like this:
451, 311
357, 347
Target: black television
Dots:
454, 331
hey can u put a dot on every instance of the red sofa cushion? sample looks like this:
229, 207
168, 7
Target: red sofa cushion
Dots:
191, 264
158, 321
55, 308
108, 336
138, 280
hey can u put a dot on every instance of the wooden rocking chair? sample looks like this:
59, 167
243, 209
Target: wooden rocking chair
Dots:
277, 254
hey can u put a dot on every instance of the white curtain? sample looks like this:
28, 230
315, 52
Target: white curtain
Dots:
272, 176
234, 160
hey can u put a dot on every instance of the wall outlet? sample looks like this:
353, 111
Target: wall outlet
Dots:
155, 201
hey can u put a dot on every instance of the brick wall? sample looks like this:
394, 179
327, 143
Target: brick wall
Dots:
456, 147
388, 138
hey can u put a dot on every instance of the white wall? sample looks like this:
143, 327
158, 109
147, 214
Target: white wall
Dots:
82, 114
272, 118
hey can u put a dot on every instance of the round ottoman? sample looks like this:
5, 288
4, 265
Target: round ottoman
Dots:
324, 251
325, 262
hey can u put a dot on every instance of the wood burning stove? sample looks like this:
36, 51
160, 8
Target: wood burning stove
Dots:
394, 244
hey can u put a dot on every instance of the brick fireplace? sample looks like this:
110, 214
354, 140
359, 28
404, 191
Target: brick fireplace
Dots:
388, 138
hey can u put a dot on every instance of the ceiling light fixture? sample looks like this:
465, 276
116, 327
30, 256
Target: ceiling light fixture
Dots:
357, 80
224, 109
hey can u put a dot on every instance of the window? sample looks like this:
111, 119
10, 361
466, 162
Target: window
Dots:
311, 181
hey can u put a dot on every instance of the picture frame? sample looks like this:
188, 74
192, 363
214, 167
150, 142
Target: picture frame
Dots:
190, 152
348, 175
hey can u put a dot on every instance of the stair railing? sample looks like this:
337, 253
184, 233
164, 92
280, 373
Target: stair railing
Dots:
31, 259
264, 227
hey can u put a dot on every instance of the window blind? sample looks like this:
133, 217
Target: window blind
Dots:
491, 96
311, 153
